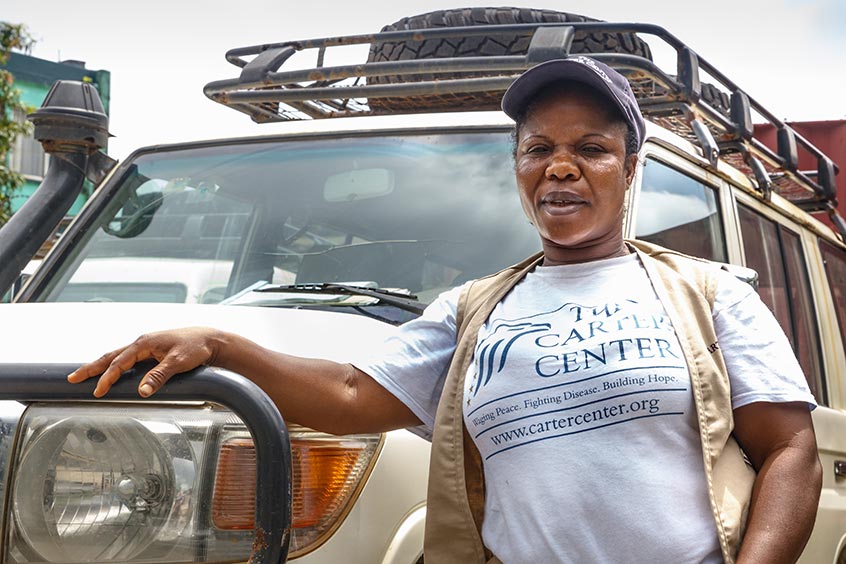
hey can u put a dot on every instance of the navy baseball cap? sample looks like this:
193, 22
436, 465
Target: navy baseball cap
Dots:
578, 68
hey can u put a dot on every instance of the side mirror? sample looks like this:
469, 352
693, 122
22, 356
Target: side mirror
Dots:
23, 278
18, 284
748, 275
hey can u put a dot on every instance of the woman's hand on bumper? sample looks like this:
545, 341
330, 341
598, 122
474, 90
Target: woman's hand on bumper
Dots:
176, 351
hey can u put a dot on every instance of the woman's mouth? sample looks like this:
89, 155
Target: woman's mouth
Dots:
559, 203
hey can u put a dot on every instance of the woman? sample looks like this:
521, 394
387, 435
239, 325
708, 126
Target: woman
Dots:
586, 405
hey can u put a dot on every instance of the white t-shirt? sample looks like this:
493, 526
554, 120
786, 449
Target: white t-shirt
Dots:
579, 401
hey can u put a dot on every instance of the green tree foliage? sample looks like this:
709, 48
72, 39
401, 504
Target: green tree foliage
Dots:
12, 37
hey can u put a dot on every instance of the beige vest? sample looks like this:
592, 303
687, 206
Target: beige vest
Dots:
686, 288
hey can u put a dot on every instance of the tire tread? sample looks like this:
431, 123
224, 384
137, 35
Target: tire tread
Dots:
492, 45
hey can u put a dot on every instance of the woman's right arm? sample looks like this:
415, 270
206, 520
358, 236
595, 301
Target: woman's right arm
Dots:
321, 394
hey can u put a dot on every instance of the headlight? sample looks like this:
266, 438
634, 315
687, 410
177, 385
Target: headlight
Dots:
99, 485
142, 483
97, 489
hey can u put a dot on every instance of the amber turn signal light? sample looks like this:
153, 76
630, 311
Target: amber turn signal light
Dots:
325, 473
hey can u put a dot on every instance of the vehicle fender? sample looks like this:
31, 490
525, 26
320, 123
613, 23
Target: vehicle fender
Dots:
406, 546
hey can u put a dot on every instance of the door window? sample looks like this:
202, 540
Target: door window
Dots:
776, 254
679, 212
835, 270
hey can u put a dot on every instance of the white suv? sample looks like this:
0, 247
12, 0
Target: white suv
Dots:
322, 240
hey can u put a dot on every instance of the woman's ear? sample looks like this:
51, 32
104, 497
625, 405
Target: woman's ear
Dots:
631, 167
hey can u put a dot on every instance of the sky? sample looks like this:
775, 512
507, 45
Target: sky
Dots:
790, 55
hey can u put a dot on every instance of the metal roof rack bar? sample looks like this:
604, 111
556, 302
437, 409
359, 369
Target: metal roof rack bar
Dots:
517, 64
383, 90
236, 56
675, 101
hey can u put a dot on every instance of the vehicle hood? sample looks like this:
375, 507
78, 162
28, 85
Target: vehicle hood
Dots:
81, 332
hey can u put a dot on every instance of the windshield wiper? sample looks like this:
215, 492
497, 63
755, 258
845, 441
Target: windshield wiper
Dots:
406, 302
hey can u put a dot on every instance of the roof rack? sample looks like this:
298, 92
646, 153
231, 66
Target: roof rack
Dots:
721, 128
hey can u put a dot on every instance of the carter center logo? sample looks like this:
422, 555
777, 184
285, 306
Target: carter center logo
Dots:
574, 339
492, 351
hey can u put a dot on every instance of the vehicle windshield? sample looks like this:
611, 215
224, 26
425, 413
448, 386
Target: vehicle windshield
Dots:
414, 212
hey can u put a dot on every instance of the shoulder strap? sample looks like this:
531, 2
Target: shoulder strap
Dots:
699, 272
461, 310
456, 498
687, 286
479, 292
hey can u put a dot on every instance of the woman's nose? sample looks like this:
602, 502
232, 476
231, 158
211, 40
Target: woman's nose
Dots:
562, 166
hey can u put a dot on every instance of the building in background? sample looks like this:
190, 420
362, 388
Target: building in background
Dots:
34, 77
830, 138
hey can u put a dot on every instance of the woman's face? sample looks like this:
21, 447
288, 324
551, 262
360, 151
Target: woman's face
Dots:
572, 174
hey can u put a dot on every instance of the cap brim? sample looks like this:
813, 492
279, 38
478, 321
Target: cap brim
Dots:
528, 84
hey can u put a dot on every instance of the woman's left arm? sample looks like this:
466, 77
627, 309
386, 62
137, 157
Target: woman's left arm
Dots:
779, 440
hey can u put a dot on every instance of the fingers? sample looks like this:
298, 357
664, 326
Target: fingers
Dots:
91, 369
110, 366
123, 361
153, 380
176, 351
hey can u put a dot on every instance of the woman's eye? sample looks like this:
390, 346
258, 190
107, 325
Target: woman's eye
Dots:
536, 149
593, 149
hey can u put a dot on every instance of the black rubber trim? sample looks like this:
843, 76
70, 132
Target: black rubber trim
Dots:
38, 218
47, 382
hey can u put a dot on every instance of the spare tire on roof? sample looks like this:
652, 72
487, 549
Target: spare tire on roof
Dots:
498, 44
